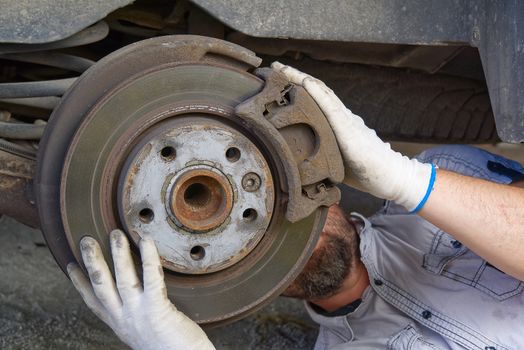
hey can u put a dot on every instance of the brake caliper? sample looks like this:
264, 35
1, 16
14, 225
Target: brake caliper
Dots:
301, 132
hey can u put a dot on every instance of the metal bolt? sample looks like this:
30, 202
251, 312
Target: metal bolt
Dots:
251, 182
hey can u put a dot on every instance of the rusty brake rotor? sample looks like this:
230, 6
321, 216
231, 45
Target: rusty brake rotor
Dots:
148, 140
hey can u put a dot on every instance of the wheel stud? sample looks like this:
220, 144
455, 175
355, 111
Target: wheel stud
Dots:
251, 182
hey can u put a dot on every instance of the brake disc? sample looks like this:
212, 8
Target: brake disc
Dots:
148, 141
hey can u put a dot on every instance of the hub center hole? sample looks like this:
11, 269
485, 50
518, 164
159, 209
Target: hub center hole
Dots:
197, 195
201, 200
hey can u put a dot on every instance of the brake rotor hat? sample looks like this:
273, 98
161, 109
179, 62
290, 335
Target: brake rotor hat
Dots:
202, 190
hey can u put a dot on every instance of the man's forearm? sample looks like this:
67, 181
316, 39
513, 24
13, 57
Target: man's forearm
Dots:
486, 217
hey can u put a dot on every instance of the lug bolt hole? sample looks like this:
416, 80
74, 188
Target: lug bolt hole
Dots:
197, 252
146, 215
249, 214
233, 154
168, 153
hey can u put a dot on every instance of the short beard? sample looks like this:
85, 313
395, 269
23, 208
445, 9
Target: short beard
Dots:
331, 262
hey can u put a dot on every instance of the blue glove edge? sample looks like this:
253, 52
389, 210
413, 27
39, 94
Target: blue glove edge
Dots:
428, 191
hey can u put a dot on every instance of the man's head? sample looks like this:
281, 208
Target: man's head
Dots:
333, 259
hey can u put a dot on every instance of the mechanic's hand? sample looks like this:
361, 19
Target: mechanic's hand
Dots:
143, 318
371, 165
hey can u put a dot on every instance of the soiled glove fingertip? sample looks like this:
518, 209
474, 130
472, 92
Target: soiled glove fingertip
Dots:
87, 243
147, 240
147, 247
118, 239
310, 82
277, 65
116, 232
151, 263
71, 268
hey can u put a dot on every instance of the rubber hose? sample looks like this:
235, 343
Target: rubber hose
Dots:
35, 88
21, 131
46, 102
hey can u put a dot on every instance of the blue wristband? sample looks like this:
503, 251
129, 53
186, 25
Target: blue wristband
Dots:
428, 191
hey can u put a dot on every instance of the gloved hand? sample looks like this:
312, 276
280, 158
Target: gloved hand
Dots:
370, 164
142, 317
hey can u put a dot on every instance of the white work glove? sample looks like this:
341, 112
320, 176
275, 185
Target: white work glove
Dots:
370, 164
143, 318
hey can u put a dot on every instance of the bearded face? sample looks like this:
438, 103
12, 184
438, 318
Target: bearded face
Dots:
331, 262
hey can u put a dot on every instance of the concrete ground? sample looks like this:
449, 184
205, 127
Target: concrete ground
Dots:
39, 308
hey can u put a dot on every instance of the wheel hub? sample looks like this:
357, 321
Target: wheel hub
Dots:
200, 199
182, 185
